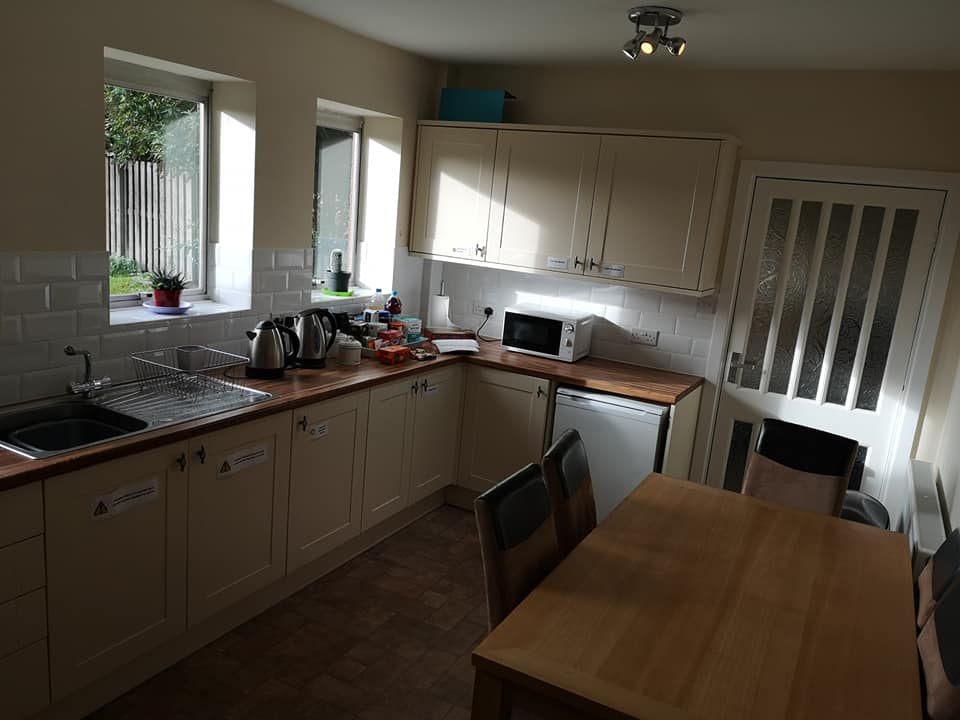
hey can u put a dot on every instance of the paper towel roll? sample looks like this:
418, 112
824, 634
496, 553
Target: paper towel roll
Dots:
438, 313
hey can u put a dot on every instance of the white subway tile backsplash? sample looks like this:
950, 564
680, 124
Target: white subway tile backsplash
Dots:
93, 266
675, 343
270, 281
48, 267
9, 389
658, 321
696, 327
9, 268
642, 300
93, 320
261, 304
263, 259
288, 259
203, 333
300, 280
121, 344
43, 383
688, 364
28, 356
57, 357
611, 295
70, 296
678, 305
623, 316
50, 326
10, 330
15, 299
285, 303
700, 348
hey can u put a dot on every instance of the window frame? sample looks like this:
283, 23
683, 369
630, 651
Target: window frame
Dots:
344, 123
141, 78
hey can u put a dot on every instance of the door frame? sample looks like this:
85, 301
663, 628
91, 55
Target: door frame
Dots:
907, 423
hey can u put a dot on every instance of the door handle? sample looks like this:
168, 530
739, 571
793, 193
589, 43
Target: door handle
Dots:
182, 462
202, 454
737, 363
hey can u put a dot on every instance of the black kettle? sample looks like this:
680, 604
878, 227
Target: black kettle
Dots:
268, 356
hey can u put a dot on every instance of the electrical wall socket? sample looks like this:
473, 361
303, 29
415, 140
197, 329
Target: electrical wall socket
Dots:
644, 337
478, 307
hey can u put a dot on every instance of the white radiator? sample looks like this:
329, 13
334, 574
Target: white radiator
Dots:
927, 517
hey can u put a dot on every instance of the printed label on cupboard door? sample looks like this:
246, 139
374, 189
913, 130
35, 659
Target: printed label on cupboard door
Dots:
242, 460
558, 263
614, 271
122, 499
317, 431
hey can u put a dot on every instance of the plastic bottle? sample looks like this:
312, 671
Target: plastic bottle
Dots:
377, 302
394, 306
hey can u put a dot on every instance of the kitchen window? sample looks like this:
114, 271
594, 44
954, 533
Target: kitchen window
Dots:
335, 192
155, 178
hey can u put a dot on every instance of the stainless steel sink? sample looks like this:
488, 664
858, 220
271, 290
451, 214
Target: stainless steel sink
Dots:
50, 428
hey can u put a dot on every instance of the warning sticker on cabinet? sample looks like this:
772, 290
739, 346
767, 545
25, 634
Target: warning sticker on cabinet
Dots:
614, 271
431, 389
317, 431
242, 460
557, 263
122, 499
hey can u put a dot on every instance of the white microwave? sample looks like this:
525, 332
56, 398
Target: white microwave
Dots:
547, 333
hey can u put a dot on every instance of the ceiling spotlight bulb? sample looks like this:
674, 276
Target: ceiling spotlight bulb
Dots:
676, 45
649, 44
631, 48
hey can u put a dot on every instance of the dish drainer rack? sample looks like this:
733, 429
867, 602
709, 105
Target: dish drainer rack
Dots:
215, 372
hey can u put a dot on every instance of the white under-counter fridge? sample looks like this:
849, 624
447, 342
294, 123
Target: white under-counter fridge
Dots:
624, 440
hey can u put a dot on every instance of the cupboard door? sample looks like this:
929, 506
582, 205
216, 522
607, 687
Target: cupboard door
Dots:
454, 182
389, 435
651, 209
504, 419
326, 476
116, 563
543, 187
239, 482
436, 431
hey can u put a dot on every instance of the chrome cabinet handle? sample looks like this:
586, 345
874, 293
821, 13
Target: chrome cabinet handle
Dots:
182, 462
202, 454
577, 261
481, 251
302, 423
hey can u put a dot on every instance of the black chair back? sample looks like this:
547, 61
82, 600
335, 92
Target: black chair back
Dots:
567, 473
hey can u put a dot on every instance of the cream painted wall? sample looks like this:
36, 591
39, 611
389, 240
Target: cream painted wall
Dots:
51, 124
905, 120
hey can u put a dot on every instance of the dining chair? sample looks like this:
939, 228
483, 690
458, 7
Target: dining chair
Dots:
865, 509
518, 539
567, 473
938, 576
939, 646
800, 467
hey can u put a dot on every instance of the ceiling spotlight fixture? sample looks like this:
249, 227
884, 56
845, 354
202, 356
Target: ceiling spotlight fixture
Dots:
660, 19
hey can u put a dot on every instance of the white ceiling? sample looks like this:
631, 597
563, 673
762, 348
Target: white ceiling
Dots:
757, 34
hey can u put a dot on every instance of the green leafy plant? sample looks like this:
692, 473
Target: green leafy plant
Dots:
120, 266
143, 126
163, 280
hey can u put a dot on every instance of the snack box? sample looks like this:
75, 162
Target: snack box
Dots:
413, 325
394, 337
393, 354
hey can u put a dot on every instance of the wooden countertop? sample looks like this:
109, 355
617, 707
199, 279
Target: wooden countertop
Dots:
302, 387
693, 602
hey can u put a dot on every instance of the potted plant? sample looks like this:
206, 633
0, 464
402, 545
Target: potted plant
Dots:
166, 287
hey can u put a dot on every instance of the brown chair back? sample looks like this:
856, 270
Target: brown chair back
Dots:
939, 575
800, 467
567, 474
518, 539
939, 645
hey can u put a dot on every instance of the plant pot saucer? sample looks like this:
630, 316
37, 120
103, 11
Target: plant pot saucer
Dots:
181, 309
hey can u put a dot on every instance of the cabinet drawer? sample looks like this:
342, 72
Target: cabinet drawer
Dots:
21, 568
21, 513
23, 621
25, 682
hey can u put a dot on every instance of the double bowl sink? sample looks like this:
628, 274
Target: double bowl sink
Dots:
52, 427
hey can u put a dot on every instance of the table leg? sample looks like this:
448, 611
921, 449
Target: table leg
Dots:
491, 698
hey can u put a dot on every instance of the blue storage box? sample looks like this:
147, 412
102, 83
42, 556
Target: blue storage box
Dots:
467, 105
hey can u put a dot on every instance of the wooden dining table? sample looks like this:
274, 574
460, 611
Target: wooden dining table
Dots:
692, 602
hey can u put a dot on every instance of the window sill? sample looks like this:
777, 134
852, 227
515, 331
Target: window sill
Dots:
201, 308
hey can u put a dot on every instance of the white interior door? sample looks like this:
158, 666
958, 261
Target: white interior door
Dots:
830, 292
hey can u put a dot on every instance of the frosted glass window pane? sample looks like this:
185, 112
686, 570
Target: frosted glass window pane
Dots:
885, 316
770, 261
794, 295
737, 457
854, 304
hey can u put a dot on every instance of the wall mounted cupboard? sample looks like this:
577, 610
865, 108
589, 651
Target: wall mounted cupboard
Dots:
636, 208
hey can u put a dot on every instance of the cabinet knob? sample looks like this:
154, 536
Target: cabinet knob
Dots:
202, 454
302, 423
182, 462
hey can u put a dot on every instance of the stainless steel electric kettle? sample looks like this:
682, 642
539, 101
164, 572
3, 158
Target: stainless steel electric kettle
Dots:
317, 330
268, 357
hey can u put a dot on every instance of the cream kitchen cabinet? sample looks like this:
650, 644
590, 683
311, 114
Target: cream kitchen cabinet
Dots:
659, 214
411, 441
504, 424
116, 563
543, 185
237, 520
633, 208
326, 476
453, 188
436, 431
